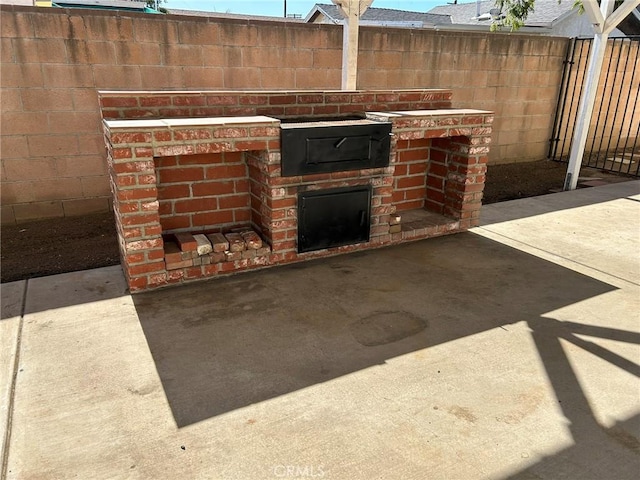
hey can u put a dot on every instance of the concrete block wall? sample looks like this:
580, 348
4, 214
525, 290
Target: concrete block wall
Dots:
515, 76
55, 60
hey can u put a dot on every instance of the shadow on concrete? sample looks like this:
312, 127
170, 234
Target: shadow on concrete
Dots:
228, 343
63, 290
598, 451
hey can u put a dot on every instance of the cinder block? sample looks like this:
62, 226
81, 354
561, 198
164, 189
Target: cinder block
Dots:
26, 169
86, 206
24, 123
108, 28
59, 75
22, 75
182, 55
130, 53
46, 99
7, 216
37, 210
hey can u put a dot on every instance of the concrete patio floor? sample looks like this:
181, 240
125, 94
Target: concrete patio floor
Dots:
508, 352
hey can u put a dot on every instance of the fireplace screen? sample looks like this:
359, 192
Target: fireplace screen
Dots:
333, 217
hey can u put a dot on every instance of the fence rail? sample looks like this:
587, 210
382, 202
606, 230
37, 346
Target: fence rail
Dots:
613, 139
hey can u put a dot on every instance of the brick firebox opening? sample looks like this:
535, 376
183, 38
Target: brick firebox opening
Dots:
175, 178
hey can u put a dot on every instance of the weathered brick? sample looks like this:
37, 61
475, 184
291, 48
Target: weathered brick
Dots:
264, 250
162, 136
186, 242
236, 242
120, 153
407, 182
137, 194
213, 188
179, 264
133, 258
144, 268
138, 219
252, 240
182, 174
218, 242
206, 219
203, 244
217, 257
143, 245
230, 132
232, 256
172, 252
195, 205
192, 134
248, 254
251, 145
137, 284
173, 191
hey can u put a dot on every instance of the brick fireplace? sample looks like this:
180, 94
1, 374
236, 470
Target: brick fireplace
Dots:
198, 189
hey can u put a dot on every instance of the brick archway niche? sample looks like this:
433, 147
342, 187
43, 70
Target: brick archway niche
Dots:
209, 164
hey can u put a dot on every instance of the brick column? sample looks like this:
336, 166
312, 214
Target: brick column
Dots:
135, 202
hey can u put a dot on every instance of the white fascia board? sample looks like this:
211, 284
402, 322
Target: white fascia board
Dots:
619, 14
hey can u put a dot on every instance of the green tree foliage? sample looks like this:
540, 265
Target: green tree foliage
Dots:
515, 12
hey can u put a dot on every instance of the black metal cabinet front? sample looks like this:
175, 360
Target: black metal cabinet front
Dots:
325, 149
333, 217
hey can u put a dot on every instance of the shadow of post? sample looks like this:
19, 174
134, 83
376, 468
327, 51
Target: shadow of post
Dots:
598, 451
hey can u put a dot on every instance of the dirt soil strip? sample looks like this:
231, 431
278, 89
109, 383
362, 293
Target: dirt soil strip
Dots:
60, 245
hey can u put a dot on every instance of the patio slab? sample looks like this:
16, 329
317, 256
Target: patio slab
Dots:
510, 351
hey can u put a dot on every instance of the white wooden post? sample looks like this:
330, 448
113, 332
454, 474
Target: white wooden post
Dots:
352, 9
603, 23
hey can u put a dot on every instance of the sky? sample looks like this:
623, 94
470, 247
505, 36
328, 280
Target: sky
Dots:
275, 8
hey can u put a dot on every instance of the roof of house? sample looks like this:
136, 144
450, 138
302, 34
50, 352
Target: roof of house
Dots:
545, 12
134, 6
380, 16
238, 16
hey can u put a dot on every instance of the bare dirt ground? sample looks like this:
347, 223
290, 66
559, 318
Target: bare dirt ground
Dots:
48, 247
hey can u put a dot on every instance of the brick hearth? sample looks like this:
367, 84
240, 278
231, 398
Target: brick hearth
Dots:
203, 196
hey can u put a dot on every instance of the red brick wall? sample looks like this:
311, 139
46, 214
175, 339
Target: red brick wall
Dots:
279, 104
203, 192
410, 179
